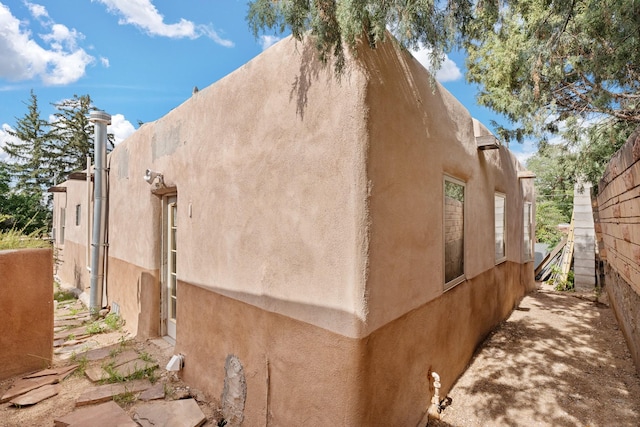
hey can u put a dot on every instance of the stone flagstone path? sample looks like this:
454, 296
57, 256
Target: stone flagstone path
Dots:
123, 381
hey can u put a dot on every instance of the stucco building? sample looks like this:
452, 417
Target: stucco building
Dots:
342, 238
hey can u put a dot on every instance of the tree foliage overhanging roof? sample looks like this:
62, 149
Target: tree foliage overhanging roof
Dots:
537, 62
335, 24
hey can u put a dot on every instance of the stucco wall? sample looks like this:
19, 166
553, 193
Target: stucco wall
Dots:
72, 250
619, 224
300, 374
269, 169
133, 289
419, 134
26, 304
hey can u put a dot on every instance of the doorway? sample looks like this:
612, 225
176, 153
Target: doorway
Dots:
169, 272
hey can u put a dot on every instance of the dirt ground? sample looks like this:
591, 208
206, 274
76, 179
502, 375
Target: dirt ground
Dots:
559, 360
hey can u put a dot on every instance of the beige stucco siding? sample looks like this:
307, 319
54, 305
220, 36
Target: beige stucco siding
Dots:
271, 189
418, 134
134, 211
71, 253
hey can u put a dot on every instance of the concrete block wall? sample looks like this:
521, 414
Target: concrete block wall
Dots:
619, 222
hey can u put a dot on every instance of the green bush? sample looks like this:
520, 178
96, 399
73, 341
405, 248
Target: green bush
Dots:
562, 285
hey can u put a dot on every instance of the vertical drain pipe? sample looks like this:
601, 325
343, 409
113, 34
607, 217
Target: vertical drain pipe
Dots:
100, 120
89, 212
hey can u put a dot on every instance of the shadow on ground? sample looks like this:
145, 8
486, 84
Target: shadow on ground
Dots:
559, 361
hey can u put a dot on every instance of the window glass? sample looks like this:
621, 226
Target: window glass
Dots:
62, 225
528, 238
453, 232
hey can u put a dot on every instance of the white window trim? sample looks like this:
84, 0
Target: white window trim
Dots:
456, 281
504, 227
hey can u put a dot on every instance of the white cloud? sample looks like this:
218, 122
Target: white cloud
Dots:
37, 11
105, 62
448, 71
62, 37
213, 35
525, 150
267, 41
144, 15
120, 127
60, 62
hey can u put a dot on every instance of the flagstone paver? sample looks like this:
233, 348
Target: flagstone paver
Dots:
23, 386
37, 395
76, 332
153, 393
37, 380
99, 353
107, 414
106, 392
177, 413
54, 371
123, 365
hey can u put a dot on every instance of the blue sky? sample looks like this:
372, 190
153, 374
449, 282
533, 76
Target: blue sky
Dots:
138, 59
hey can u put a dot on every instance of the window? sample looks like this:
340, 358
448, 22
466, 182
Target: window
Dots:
78, 213
453, 232
62, 221
527, 229
501, 227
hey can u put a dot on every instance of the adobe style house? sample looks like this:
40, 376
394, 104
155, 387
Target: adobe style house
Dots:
332, 240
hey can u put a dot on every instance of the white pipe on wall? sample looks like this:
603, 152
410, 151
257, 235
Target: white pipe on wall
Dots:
88, 243
100, 120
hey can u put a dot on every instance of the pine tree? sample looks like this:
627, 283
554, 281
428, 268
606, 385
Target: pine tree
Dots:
73, 135
20, 210
30, 152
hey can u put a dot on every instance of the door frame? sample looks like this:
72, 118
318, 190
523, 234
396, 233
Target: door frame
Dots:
168, 327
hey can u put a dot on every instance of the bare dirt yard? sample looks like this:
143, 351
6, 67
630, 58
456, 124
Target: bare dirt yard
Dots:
559, 360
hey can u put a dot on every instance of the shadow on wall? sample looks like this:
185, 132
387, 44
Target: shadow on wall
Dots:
77, 277
149, 300
310, 67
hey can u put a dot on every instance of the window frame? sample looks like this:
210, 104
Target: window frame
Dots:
503, 196
78, 214
527, 223
462, 277
62, 220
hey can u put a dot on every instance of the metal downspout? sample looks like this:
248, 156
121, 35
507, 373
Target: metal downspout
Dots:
101, 120
89, 212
